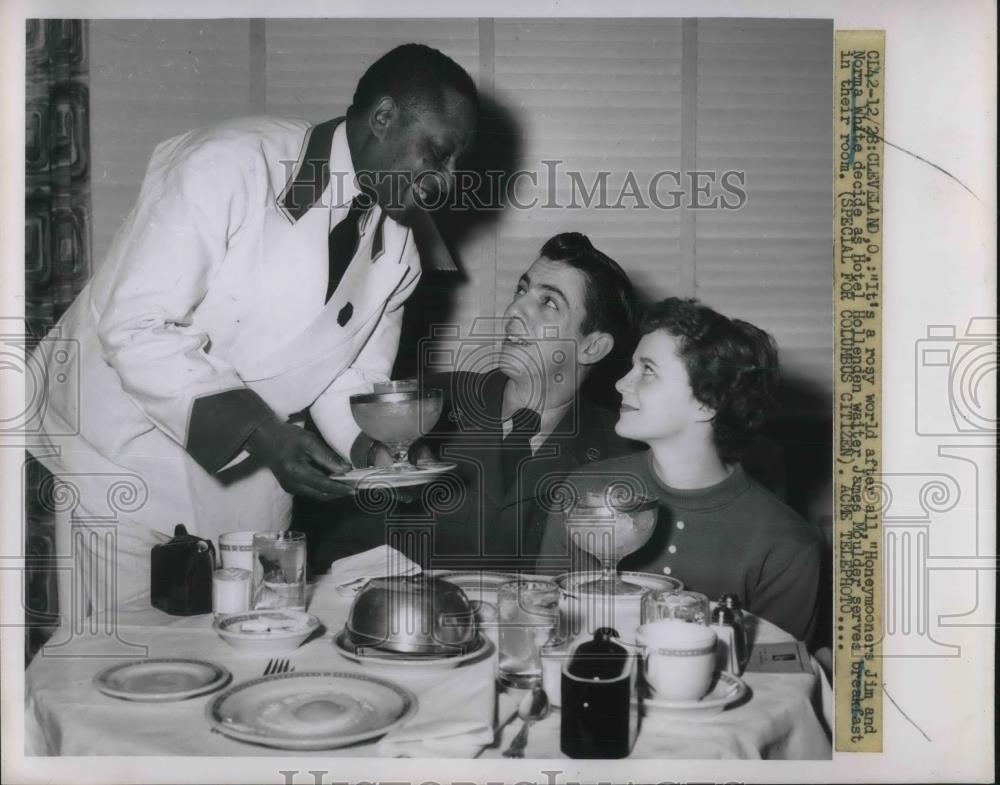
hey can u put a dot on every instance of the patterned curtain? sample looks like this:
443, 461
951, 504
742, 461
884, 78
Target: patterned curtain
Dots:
57, 166
57, 248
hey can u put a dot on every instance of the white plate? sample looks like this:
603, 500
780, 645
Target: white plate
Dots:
162, 679
727, 689
382, 478
311, 710
482, 649
571, 582
476, 582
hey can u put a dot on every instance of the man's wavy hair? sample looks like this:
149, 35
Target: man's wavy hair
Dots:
609, 299
732, 367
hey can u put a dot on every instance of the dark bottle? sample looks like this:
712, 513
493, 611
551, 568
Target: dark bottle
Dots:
599, 719
732, 602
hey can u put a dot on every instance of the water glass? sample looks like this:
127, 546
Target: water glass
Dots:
689, 606
279, 570
528, 615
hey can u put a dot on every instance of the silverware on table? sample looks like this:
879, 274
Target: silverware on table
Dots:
533, 707
278, 665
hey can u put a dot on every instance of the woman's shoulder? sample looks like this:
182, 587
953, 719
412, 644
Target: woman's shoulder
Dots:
776, 518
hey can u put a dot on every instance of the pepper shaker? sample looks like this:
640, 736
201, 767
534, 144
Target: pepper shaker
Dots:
732, 602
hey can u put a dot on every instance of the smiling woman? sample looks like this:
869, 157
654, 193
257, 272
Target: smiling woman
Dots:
699, 387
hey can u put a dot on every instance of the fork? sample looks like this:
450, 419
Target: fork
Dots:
277, 665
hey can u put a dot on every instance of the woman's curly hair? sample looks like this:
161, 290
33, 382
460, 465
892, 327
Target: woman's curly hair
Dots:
732, 366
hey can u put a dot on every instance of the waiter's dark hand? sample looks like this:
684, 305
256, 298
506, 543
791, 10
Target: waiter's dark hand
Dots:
299, 460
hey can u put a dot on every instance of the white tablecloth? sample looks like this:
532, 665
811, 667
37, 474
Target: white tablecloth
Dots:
66, 715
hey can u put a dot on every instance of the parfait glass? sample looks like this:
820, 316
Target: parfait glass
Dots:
397, 414
610, 529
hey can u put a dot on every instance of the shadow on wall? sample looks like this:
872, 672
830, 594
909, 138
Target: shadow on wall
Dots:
800, 465
492, 159
802, 425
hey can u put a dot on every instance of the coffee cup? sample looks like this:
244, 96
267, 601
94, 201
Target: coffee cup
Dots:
236, 550
678, 658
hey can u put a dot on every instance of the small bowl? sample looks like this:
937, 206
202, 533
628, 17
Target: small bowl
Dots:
264, 632
581, 610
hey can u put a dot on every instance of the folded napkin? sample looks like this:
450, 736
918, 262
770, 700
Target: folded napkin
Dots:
455, 716
352, 572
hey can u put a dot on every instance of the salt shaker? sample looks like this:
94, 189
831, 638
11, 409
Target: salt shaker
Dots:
726, 658
230, 591
732, 602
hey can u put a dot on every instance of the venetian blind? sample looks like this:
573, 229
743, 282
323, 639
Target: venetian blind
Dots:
764, 108
151, 80
602, 98
313, 65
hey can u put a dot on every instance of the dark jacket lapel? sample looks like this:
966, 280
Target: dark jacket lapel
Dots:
312, 171
558, 455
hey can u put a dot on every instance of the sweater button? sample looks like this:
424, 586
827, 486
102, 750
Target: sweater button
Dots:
672, 548
667, 571
680, 524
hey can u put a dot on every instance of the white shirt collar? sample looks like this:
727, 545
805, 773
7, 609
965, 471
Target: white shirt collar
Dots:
549, 418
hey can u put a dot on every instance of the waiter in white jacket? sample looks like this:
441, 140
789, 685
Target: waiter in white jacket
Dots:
262, 273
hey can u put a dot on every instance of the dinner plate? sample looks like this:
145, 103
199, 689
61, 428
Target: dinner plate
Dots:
383, 478
314, 710
478, 582
482, 648
573, 582
726, 689
161, 679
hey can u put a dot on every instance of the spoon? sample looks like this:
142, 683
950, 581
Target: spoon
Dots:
533, 707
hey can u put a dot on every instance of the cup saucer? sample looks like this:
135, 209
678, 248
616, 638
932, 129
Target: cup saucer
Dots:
726, 689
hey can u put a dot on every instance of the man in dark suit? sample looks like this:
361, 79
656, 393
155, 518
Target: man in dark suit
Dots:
513, 431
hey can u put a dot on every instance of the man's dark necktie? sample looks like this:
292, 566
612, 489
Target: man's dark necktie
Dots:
343, 242
516, 445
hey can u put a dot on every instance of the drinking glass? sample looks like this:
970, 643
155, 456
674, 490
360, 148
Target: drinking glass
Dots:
689, 606
397, 414
610, 529
528, 614
279, 570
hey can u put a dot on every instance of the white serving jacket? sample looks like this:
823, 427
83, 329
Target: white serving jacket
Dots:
216, 283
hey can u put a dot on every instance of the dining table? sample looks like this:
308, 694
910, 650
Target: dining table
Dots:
461, 712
